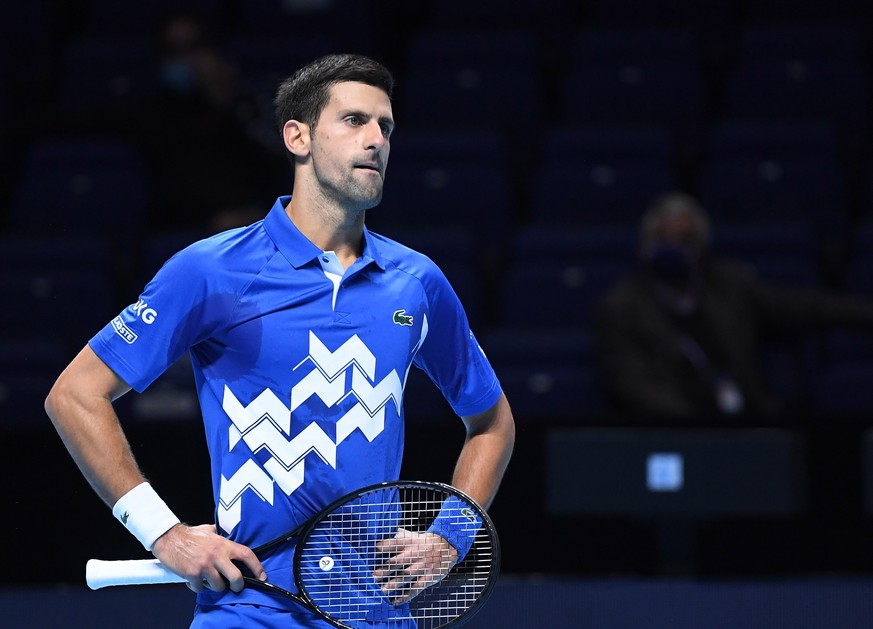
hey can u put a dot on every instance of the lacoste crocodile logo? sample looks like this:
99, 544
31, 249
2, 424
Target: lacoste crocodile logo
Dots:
125, 517
402, 319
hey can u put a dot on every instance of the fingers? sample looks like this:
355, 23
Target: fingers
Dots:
206, 559
420, 560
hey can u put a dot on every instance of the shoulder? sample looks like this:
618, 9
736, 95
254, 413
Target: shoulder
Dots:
404, 259
229, 254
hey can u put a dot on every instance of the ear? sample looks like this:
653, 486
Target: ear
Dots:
296, 137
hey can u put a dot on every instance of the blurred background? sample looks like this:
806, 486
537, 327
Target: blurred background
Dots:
531, 138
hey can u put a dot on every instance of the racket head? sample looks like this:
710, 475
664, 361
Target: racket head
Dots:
337, 555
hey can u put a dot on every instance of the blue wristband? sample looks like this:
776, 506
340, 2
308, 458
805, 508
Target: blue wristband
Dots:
458, 524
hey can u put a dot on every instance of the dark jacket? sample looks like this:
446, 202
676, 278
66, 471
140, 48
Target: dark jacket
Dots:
654, 361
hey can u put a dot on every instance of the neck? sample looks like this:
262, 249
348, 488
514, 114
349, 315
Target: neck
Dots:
328, 227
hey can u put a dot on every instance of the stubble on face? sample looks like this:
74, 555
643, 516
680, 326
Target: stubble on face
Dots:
348, 157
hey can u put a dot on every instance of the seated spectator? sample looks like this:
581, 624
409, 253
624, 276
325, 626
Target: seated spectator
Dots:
682, 336
199, 136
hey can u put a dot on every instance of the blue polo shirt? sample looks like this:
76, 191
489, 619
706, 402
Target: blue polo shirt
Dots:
299, 365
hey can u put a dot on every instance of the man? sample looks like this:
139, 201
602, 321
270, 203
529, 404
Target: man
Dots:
301, 330
682, 336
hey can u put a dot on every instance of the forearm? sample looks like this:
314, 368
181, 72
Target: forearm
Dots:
81, 410
486, 453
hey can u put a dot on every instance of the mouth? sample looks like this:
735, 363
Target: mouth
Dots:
372, 167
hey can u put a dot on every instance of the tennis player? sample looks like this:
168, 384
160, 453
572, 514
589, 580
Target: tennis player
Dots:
301, 329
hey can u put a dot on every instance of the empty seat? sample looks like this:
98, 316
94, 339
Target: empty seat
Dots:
101, 73
62, 306
82, 187
635, 76
795, 40
795, 89
772, 139
785, 252
596, 191
568, 142
549, 295
575, 245
471, 98
776, 189
423, 194
268, 59
430, 51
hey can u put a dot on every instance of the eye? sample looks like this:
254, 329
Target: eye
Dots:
354, 121
386, 130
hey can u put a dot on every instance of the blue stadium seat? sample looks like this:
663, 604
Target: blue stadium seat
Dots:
47, 254
436, 50
847, 361
471, 80
635, 75
845, 389
800, 41
82, 187
105, 18
587, 142
470, 98
575, 245
775, 189
62, 306
447, 146
485, 14
668, 12
355, 26
810, 10
793, 89
630, 44
785, 252
550, 295
447, 193
546, 373
28, 369
598, 191
106, 72
776, 138
269, 59
664, 93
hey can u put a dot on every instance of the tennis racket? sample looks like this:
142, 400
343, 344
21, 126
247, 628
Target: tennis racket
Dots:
360, 559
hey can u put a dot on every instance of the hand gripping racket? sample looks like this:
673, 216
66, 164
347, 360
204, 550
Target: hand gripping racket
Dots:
359, 560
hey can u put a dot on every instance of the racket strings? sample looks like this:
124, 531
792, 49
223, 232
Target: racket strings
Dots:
346, 564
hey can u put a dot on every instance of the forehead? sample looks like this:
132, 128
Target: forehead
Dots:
360, 97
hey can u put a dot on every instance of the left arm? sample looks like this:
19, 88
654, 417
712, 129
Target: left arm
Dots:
421, 559
486, 452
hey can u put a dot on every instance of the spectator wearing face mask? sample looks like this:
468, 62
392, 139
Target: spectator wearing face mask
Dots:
202, 136
682, 336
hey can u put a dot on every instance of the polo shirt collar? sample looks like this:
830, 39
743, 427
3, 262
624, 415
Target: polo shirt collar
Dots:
298, 249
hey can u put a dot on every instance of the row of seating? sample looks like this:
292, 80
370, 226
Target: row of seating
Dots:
584, 176
492, 79
533, 314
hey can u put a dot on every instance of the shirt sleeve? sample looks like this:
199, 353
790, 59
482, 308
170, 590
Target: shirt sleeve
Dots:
176, 310
451, 355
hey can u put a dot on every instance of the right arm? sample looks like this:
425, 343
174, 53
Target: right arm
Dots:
80, 407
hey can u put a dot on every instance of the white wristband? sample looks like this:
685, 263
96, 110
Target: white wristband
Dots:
144, 514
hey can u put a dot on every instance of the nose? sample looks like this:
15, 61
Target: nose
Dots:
374, 138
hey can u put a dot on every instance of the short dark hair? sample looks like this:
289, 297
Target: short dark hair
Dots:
304, 95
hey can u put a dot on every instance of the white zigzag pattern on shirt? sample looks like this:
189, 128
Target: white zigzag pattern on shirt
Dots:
265, 423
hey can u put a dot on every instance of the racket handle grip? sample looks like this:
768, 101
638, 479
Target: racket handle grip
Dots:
100, 574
